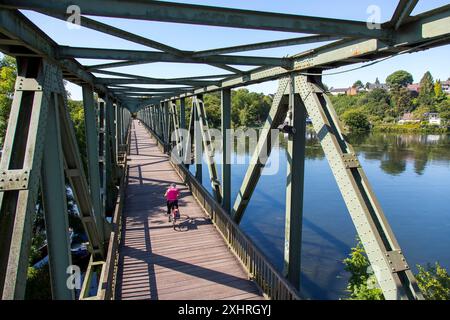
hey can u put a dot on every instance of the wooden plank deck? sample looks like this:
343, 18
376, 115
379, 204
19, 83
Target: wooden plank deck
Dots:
158, 262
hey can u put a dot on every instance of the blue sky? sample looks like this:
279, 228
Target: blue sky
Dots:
191, 37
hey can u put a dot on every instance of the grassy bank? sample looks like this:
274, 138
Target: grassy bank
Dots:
410, 128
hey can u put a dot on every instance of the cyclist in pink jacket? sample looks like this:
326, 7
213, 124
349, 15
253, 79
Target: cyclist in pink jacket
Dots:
172, 195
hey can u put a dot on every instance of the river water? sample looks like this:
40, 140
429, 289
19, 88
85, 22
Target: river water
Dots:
410, 175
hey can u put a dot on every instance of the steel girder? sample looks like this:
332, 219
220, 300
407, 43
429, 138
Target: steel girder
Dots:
421, 32
154, 56
39, 121
262, 152
206, 15
208, 147
96, 25
402, 12
295, 153
225, 106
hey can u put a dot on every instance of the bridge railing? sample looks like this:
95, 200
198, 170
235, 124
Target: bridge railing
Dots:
260, 269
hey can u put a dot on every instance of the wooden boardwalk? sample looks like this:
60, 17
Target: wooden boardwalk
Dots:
158, 262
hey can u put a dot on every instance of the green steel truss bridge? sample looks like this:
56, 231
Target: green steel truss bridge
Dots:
41, 153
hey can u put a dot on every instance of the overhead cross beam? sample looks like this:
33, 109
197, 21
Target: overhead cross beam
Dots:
207, 15
116, 54
402, 12
105, 28
264, 45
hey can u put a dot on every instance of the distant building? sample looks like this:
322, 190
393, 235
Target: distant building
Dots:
446, 86
376, 85
408, 118
338, 91
351, 91
414, 87
434, 119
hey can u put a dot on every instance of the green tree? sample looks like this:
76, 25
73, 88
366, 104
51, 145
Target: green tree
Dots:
8, 74
439, 95
76, 112
356, 120
401, 100
358, 84
426, 93
400, 78
213, 109
249, 108
378, 103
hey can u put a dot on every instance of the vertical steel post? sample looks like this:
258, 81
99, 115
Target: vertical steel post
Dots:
118, 129
92, 144
226, 151
183, 113
109, 151
182, 125
166, 126
295, 153
102, 153
262, 151
209, 149
197, 142
55, 205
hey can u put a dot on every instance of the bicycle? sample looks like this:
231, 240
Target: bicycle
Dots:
174, 216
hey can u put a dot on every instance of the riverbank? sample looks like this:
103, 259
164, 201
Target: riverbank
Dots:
410, 128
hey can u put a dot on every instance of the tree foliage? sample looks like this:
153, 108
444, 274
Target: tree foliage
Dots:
8, 74
400, 78
356, 120
358, 84
426, 93
434, 282
385, 107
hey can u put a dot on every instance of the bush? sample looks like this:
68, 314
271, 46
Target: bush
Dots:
434, 282
362, 284
38, 284
356, 120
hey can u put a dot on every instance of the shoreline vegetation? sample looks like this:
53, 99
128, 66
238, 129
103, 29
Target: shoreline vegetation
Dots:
399, 106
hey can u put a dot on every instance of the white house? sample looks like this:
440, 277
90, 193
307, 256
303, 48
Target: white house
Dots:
434, 119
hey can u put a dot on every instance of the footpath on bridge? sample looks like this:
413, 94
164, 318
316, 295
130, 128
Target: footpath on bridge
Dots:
160, 263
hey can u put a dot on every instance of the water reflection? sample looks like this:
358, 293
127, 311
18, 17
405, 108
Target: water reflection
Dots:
410, 176
392, 150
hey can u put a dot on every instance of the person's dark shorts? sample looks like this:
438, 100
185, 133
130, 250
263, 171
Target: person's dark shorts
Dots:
171, 204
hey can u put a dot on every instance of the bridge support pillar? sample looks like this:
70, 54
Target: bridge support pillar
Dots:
295, 154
